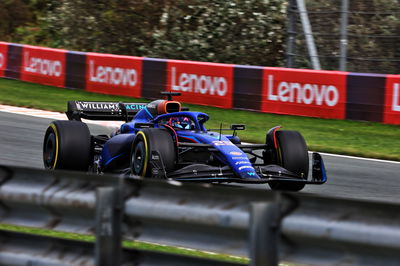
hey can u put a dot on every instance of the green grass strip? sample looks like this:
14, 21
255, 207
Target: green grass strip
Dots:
365, 139
138, 245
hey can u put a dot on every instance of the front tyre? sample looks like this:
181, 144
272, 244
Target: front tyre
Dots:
140, 155
67, 146
149, 140
292, 154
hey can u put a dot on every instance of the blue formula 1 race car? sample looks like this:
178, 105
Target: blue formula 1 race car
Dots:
161, 139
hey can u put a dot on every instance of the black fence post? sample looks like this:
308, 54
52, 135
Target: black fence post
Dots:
291, 34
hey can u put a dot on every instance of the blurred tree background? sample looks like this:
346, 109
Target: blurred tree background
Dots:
237, 31
250, 32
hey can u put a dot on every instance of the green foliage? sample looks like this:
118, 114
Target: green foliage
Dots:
241, 31
237, 31
13, 14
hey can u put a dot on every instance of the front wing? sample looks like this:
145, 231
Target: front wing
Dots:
268, 173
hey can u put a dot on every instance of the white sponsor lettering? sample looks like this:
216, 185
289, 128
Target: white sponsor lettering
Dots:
242, 162
198, 84
302, 93
239, 158
42, 66
245, 167
112, 75
396, 101
97, 106
222, 143
1, 60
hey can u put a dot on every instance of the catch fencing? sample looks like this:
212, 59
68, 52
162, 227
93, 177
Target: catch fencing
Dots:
265, 226
346, 35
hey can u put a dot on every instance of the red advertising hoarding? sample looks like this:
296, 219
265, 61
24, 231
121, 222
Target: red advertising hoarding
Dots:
113, 74
3, 58
392, 100
201, 83
304, 92
43, 65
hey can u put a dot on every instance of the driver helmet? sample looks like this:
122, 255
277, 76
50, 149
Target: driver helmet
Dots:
180, 122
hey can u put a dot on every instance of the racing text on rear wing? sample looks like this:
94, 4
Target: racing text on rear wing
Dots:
114, 111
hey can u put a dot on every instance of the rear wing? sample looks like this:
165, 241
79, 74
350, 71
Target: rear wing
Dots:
110, 111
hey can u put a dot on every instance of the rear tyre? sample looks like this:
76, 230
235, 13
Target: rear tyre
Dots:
292, 154
146, 141
67, 145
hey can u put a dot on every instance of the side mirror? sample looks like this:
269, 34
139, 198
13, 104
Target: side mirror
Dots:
238, 127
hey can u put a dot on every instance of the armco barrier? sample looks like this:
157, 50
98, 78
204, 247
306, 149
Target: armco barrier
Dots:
328, 231
73, 203
365, 97
265, 226
324, 94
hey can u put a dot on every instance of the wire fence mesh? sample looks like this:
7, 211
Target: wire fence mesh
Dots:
373, 35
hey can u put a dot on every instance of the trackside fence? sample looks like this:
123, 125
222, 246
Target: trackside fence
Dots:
267, 227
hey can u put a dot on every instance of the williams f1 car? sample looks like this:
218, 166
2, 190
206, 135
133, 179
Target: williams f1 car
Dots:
161, 139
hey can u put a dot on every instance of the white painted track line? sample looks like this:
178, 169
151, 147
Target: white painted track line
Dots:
358, 158
53, 115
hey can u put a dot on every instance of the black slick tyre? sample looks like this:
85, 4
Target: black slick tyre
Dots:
292, 155
67, 146
146, 141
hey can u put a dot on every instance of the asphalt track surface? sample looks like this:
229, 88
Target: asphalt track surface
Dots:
21, 140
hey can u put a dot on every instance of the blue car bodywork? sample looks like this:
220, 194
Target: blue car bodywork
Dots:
202, 155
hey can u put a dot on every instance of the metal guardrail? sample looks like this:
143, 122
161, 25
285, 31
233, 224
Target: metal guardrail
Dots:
331, 231
263, 225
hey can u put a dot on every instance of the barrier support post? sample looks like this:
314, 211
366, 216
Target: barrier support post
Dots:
109, 209
264, 233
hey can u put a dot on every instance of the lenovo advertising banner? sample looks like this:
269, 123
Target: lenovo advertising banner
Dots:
304, 92
392, 100
3, 57
201, 83
43, 65
114, 74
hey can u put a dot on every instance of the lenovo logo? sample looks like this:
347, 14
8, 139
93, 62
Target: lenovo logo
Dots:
396, 100
112, 75
302, 93
201, 84
1, 60
42, 66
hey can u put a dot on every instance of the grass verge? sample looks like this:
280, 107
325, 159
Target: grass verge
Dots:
365, 139
127, 244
